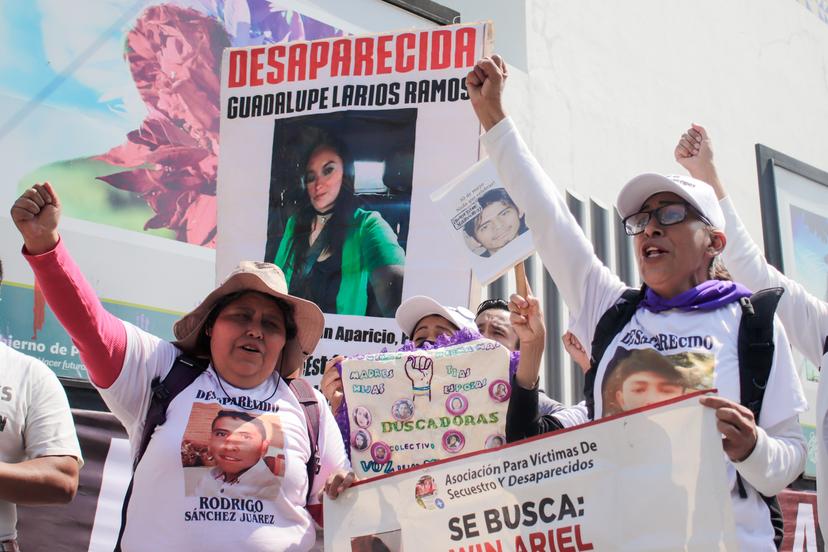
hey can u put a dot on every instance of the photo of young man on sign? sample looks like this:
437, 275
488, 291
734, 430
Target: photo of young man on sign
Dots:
340, 199
498, 223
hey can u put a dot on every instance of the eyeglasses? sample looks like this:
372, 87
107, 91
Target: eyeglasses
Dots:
666, 215
492, 304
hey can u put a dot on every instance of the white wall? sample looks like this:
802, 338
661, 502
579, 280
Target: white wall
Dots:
612, 85
608, 87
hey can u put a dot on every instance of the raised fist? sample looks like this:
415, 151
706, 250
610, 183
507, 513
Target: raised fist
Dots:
36, 214
420, 370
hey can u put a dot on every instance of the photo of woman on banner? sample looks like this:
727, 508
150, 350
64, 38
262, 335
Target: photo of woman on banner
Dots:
641, 377
336, 187
498, 223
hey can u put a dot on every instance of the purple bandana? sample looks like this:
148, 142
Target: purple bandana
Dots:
709, 295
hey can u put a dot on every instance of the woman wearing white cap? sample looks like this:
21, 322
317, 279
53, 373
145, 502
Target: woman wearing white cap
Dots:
678, 231
253, 333
805, 315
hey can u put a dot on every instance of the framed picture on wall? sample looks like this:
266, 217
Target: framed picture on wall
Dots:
794, 201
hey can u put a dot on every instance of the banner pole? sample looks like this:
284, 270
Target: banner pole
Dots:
521, 282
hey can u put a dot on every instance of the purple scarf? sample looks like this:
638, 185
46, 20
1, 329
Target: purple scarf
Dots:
707, 296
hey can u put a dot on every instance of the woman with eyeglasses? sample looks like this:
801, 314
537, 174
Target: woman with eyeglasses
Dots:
678, 231
344, 258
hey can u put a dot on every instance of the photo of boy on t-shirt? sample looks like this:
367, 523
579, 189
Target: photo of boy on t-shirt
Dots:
641, 377
232, 453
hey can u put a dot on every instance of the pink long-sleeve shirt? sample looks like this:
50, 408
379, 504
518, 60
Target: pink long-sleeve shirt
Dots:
99, 336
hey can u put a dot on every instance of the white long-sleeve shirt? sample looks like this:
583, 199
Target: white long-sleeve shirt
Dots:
709, 338
802, 314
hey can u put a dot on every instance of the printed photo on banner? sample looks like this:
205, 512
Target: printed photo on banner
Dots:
577, 490
410, 408
232, 453
489, 225
641, 377
340, 201
387, 541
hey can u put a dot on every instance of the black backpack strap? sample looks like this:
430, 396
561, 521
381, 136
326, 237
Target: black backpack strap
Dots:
310, 405
610, 325
756, 348
184, 372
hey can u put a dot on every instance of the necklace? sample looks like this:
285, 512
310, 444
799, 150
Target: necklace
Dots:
247, 404
323, 217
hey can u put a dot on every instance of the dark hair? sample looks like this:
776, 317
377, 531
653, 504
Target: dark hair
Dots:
1, 271
488, 304
203, 342
492, 196
335, 230
238, 415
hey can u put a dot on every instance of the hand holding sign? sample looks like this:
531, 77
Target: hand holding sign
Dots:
737, 426
527, 321
420, 370
331, 384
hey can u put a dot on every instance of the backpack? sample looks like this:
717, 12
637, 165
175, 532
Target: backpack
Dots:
184, 372
755, 350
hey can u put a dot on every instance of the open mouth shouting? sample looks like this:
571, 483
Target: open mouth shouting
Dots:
652, 251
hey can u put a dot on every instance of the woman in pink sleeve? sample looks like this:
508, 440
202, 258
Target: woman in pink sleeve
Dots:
229, 468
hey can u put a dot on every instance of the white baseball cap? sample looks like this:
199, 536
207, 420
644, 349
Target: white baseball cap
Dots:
697, 193
415, 308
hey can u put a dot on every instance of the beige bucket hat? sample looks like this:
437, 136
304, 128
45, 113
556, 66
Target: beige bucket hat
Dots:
265, 278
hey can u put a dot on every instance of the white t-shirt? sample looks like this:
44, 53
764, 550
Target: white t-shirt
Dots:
35, 420
167, 509
702, 341
589, 288
805, 315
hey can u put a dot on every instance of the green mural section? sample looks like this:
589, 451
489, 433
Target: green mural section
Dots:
50, 343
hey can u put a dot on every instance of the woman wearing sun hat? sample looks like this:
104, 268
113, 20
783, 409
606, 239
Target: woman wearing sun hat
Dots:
253, 333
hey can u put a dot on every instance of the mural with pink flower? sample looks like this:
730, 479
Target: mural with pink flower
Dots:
142, 153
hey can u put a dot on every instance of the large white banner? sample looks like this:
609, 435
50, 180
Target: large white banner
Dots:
329, 152
650, 480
